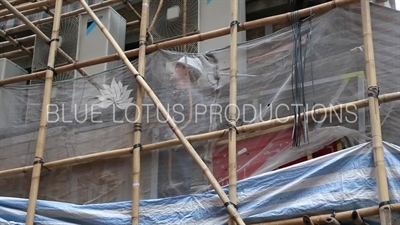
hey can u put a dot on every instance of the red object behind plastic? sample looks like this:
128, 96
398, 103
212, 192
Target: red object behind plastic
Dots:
249, 157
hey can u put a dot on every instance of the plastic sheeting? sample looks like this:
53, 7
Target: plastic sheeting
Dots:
85, 120
342, 181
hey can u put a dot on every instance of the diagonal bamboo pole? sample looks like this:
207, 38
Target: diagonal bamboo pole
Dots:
16, 43
37, 165
373, 92
232, 211
153, 21
232, 106
270, 124
130, 8
24, 27
137, 135
39, 33
186, 40
340, 216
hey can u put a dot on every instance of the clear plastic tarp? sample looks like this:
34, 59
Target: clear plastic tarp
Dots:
84, 119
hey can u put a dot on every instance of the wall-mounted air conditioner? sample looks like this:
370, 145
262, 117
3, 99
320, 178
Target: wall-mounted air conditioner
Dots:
11, 101
82, 40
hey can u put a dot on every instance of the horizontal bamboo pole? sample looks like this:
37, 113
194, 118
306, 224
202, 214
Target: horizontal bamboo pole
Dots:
35, 5
15, 53
340, 216
270, 124
24, 27
16, 43
31, 11
186, 40
20, 40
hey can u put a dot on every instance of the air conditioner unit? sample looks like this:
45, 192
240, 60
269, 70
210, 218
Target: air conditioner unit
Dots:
10, 101
201, 16
82, 40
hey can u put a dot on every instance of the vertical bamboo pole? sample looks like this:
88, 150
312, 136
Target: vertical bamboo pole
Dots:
226, 201
138, 115
383, 190
184, 22
37, 166
232, 106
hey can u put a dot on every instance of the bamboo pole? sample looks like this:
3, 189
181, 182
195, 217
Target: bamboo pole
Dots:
35, 5
20, 40
32, 10
137, 135
232, 211
373, 91
24, 27
37, 165
184, 22
41, 35
153, 21
186, 40
232, 106
340, 216
130, 8
12, 54
270, 124
16, 43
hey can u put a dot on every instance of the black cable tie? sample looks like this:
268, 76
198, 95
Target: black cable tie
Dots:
384, 203
137, 127
235, 22
138, 145
226, 204
54, 39
41, 162
230, 127
135, 75
142, 43
52, 69
373, 91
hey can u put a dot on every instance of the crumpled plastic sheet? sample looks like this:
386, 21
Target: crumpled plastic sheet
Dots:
342, 181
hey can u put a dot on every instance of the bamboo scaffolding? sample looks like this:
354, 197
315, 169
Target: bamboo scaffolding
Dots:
20, 40
232, 107
32, 10
186, 40
16, 43
24, 27
270, 124
232, 211
373, 91
37, 165
43, 36
35, 5
14, 53
340, 216
130, 8
137, 134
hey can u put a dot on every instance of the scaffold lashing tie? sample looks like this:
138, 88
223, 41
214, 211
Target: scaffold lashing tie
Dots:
53, 39
234, 22
135, 75
41, 162
52, 69
226, 204
381, 204
137, 127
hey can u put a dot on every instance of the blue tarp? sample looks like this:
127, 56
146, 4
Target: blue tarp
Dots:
344, 180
